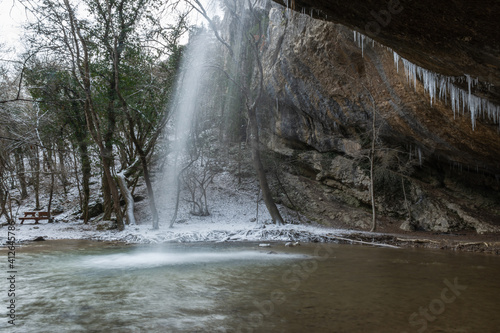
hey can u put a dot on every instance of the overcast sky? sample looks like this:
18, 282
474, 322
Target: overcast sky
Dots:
12, 17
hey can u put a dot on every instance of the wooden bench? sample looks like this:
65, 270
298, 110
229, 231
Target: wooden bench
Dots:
37, 216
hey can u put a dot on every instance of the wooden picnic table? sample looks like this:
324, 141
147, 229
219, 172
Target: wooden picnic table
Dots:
37, 216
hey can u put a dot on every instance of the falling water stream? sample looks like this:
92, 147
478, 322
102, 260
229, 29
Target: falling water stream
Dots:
185, 105
68, 286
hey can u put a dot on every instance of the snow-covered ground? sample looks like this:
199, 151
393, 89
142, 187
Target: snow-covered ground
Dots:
191, 231
234, 216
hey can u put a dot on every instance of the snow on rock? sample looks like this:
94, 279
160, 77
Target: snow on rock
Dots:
194, 231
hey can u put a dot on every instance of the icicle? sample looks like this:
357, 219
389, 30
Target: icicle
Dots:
453, 101
419, 156
468, 85
462, 94
396, 60
288, 10
459, 98
362, 45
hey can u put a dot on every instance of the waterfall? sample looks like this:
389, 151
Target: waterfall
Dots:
186, 103
214, 89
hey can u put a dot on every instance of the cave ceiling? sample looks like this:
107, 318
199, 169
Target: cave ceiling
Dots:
453, 38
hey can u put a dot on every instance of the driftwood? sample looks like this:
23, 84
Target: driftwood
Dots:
472, 243
417, 240
362, 242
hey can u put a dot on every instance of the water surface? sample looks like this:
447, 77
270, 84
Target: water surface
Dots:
69, 286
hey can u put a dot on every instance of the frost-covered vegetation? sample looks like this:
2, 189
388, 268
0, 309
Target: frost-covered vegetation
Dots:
108, 109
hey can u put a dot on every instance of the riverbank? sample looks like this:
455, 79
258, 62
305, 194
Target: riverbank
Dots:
235, 215
201, 231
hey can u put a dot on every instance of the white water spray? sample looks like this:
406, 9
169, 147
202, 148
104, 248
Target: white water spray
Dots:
183, 109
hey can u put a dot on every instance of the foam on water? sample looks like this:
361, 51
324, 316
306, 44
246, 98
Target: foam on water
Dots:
157, 259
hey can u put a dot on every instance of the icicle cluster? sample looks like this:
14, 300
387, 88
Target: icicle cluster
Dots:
311, 11
442, 86
360, 39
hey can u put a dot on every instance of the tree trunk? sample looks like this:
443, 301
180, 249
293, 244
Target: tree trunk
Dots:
407, 204
91, 115
77, 179
51, 168
177, 199
21, 173
114, 195
129, 200
178, 194
145, 169
372, 160
3, 202
107, 153
107, 201
36, 178
259, 168
51, 195
152, 202
62, 168
86, 173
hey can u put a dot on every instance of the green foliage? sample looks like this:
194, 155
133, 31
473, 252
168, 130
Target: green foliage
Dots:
123, 59
59, 95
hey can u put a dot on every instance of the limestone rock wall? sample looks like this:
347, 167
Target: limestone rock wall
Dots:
323, 90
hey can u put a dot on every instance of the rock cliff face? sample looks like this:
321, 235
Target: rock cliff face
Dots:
326, 96
449, 37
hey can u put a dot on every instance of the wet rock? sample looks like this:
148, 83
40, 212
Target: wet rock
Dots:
139, 198
419, 31
95, 209
317, 115
39, 239
407, 226
106, 225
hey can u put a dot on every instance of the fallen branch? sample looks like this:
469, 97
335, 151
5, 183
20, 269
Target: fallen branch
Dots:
362, 242
472, 243
417, 240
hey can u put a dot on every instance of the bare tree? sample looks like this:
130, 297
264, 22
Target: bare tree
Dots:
250, 82
78, 47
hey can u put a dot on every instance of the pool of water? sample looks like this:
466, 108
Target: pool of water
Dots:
71, 286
